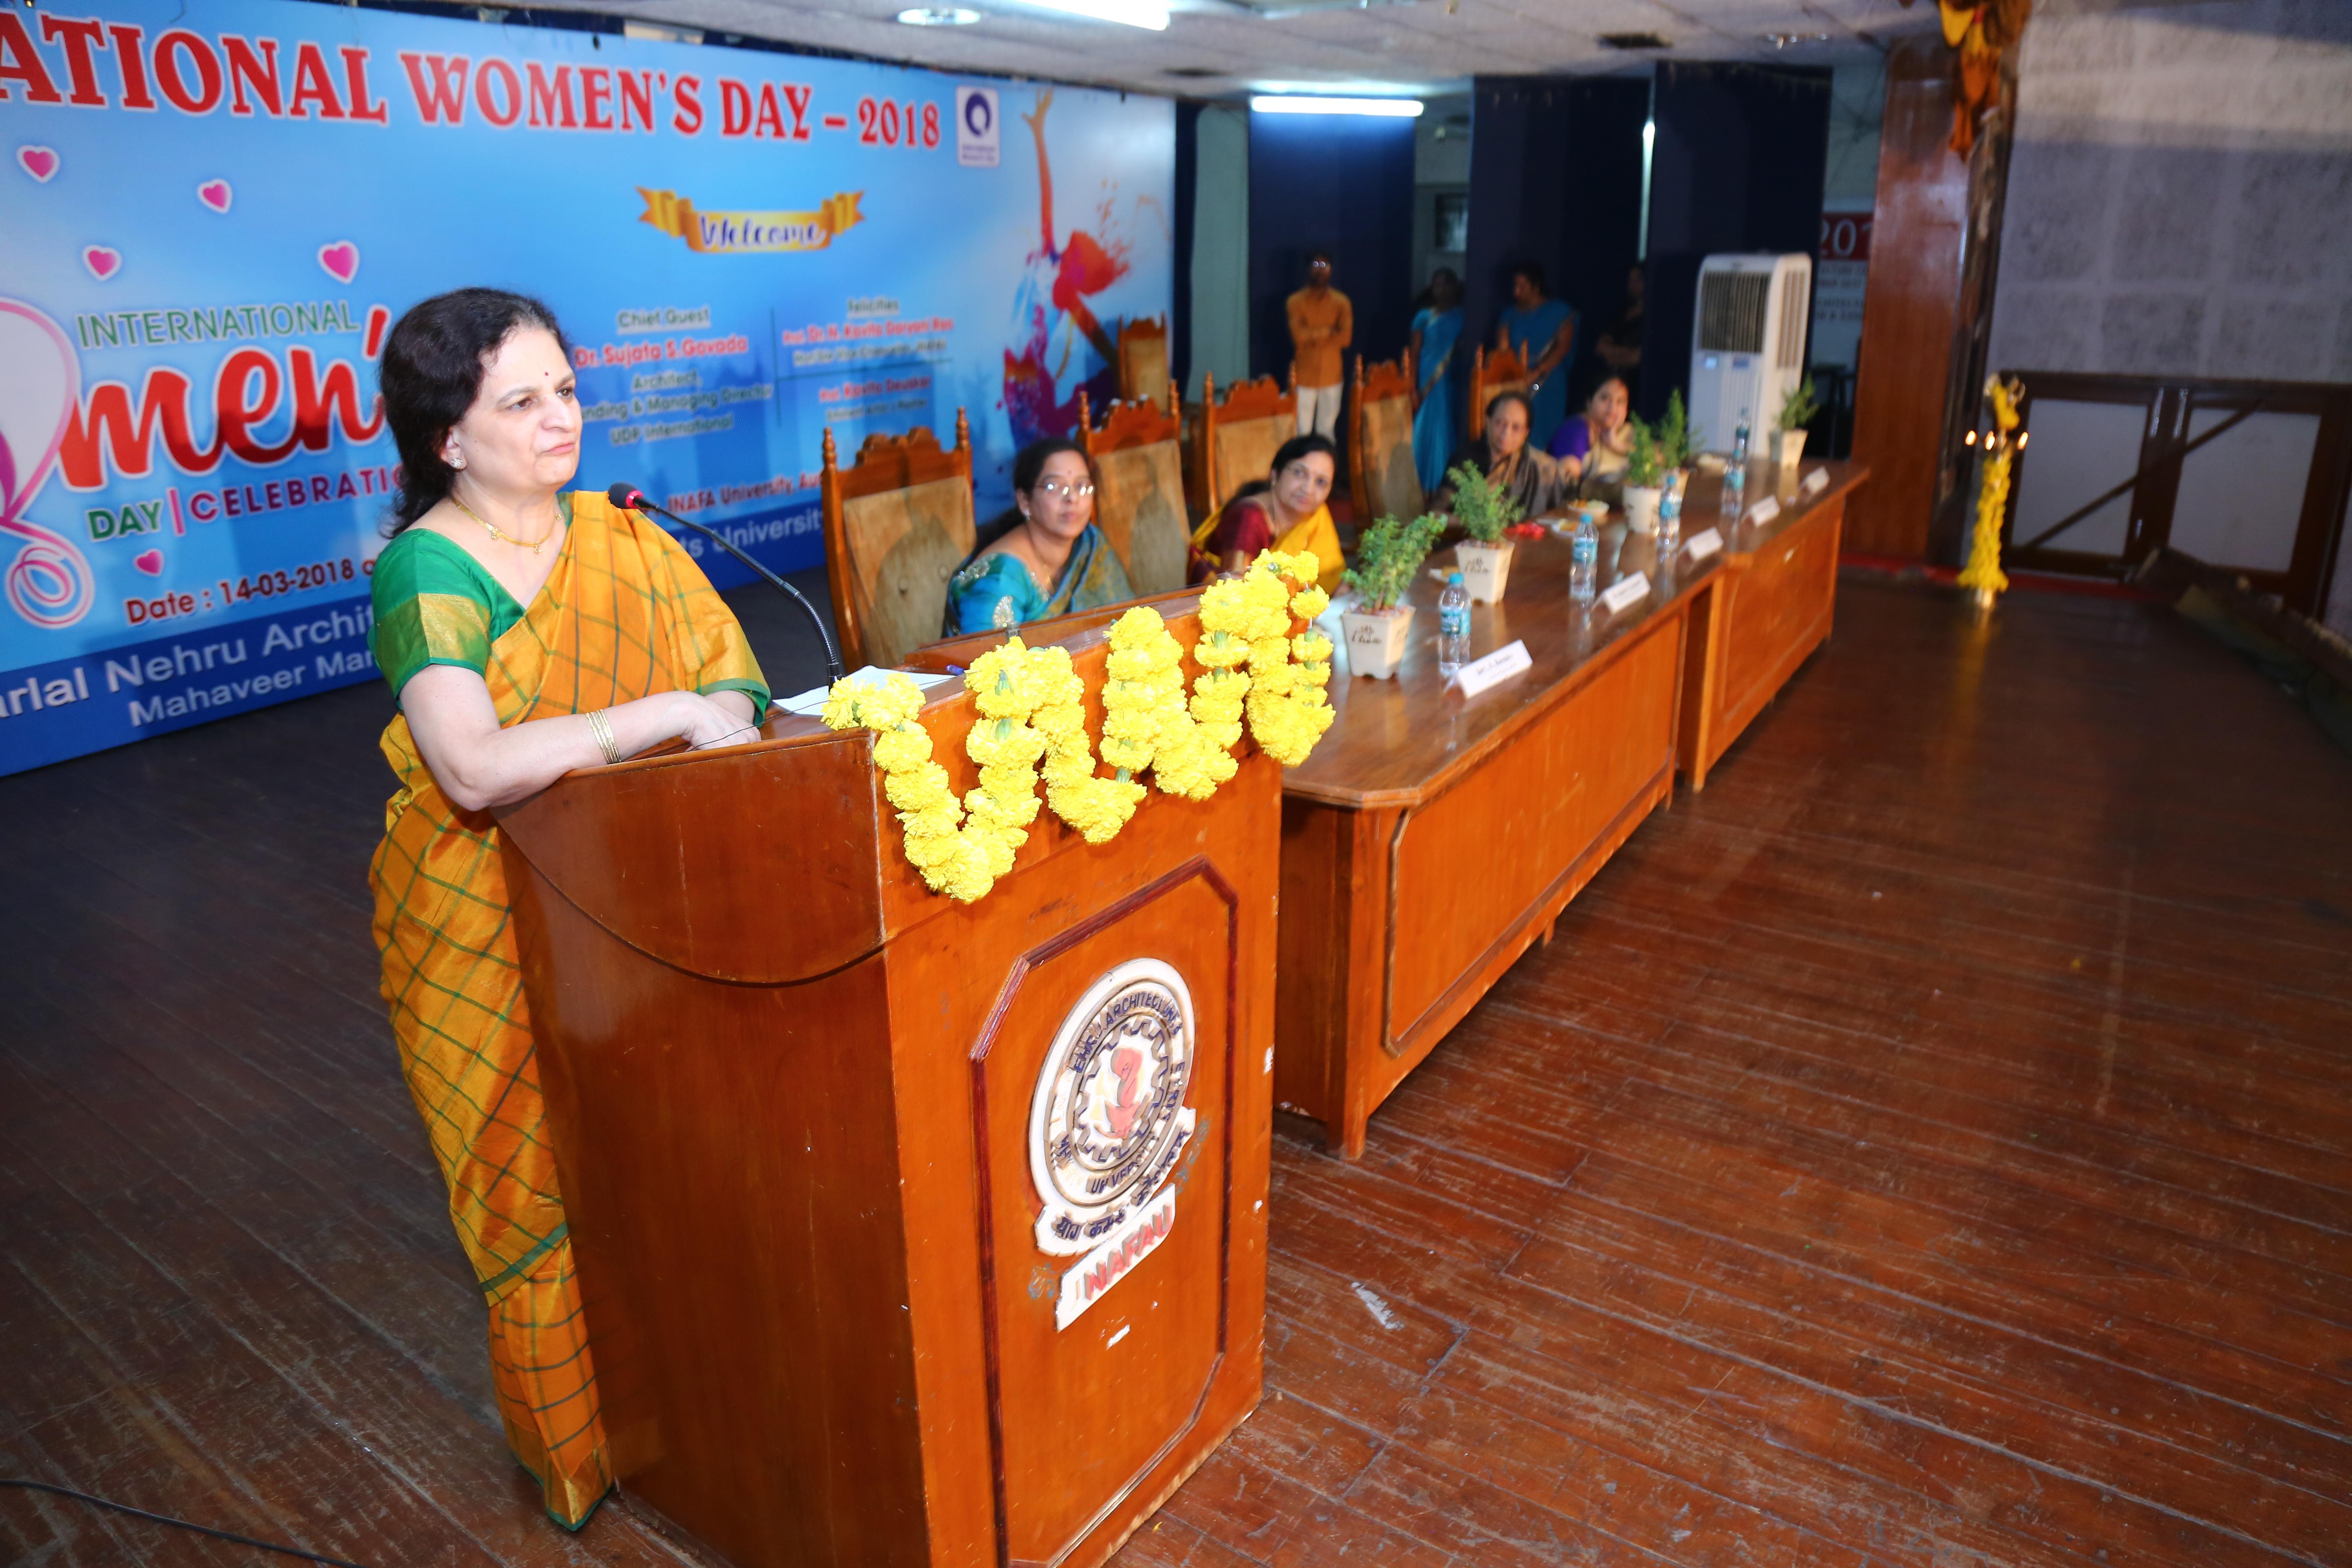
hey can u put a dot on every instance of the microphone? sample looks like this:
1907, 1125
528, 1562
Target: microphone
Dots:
628, 497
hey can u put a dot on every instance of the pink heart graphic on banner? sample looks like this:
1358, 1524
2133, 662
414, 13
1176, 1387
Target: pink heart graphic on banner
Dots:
38, 162
341, 260
102, 260
150, 562
213, 194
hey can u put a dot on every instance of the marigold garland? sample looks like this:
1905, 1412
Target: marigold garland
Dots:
1032, 706
1097, 807
1983, 571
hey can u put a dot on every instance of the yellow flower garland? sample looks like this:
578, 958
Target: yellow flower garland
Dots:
1249, 622
1097, 807
1031, 705
1983, 571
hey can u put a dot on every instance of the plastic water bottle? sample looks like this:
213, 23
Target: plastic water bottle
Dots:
1452, 626
1734, 471
1670, 514
1583, 558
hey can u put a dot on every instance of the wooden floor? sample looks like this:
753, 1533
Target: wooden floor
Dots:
1930, 1146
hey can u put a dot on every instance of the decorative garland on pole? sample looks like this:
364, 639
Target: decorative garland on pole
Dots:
1983, 572
1031, 704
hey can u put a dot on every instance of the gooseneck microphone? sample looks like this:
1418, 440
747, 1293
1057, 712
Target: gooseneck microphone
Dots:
628, 497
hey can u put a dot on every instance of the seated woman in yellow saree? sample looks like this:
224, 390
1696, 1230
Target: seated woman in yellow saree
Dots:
1283, 511
525, 633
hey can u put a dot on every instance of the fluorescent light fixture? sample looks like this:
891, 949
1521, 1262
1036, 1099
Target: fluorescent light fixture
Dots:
1391, 107
1132, 13
939, 16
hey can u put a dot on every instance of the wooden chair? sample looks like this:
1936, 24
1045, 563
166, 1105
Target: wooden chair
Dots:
896, 525
1140, 488
1234, 442
1144, 364
1492, 371
1382, 481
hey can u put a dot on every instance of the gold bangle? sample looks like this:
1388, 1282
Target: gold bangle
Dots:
602, 728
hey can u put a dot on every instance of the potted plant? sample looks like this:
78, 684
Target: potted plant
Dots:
1677, 443
1797, 410
1483, 513
1646, 468
1376, 626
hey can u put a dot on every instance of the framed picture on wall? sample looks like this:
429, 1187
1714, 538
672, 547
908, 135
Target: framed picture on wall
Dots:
1452, 226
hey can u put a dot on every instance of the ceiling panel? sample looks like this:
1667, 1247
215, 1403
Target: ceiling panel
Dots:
1415, 46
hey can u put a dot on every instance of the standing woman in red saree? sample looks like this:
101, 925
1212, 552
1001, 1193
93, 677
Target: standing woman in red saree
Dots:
525, 633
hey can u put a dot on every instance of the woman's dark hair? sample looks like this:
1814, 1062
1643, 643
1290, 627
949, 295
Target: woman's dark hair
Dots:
432, 367
1289, 452
1510, 394
1028, 468
1428, 296
1533, 272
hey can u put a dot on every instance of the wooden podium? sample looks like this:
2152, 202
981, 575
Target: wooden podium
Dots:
809, 1117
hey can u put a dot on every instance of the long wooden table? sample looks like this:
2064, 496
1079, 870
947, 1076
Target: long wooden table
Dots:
1430, 840
1769, 606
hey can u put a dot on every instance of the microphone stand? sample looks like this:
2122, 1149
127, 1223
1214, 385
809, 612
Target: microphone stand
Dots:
628, 497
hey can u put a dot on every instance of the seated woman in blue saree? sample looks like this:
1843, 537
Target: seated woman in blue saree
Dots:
1044, 558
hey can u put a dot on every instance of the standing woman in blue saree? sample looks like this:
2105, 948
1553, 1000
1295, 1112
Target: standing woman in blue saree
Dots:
1437, 422
1045, 557
1542, 331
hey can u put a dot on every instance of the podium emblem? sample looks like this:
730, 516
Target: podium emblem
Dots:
1108, 1122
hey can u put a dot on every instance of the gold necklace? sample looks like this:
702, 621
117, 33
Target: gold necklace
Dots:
494, 533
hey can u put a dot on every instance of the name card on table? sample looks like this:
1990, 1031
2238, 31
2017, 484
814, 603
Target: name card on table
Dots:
1764, 512
1494, 668
1626, 593
1703, 545
1815, 482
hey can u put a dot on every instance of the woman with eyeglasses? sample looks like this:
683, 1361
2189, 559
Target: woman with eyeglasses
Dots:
1044, 557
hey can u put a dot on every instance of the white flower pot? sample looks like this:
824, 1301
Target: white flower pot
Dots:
1788, 445
1642, 507
1485, 568
1376, 640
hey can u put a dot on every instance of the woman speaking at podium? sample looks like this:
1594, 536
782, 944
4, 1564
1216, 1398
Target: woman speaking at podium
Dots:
525, 633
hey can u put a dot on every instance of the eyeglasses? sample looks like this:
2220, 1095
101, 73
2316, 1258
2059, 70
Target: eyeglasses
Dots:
1060, 491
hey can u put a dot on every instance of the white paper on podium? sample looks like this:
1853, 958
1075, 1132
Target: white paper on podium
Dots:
812, 701
1764, 510
1815, 482
1703, 545
1626, 593
1492, 669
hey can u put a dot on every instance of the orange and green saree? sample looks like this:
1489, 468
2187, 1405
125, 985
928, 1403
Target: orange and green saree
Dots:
626, 613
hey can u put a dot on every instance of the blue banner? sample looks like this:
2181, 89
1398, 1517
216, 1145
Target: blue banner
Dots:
216, 211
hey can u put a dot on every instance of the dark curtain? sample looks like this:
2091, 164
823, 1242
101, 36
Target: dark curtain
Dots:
1339, 183
1740, 155
1188, 179
1556, 179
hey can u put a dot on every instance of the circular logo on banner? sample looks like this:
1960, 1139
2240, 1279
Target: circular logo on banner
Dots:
1108, 1120
979, 115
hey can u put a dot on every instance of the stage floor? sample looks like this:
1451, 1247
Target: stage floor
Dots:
1931, 1145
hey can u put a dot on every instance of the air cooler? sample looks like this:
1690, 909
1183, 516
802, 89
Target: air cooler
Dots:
1748, 344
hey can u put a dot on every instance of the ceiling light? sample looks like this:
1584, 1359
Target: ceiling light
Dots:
1132, 13
1393, 108
1782, 40
939, 16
